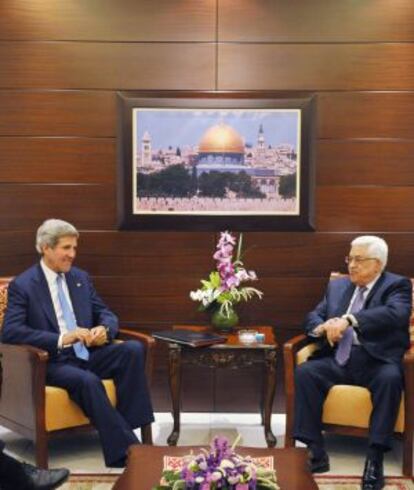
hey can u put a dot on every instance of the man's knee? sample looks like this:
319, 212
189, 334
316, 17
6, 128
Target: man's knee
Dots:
303, 373
133, 347
389, 378
90, 381
132, 351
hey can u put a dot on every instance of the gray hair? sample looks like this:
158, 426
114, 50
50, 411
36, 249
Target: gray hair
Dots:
51, 230
377, 247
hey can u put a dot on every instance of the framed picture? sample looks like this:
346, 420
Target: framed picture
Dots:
214, 161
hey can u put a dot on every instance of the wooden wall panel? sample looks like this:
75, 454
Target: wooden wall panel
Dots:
15, 243
93, 113
365, 208
64, 160
108, 20
92, 65
57, 113
28, 205
134, 300
373, 162
321, 21
376, 114
315, 66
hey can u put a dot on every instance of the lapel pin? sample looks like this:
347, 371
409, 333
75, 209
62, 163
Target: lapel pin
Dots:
78, 284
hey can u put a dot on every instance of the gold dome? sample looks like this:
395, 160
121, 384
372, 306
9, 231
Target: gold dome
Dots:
221, 138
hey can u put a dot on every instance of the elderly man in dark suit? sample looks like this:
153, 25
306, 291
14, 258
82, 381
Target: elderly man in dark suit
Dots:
363, 321
55, 307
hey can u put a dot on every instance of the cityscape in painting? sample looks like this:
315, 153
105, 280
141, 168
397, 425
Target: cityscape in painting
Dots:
216, 162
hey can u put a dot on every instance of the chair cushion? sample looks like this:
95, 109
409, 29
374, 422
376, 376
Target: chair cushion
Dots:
351, 406
63, 413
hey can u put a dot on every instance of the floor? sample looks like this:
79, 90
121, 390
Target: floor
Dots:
82, 453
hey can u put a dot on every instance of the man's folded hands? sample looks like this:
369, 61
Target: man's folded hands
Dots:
333, 329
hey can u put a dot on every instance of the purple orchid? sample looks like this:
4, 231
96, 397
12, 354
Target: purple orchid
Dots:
223, 287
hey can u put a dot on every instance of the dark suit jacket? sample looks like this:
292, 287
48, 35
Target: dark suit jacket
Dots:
383, 323
30, 316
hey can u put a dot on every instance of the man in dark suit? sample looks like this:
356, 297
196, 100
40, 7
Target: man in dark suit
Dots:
22, 476
55, 307
363, 322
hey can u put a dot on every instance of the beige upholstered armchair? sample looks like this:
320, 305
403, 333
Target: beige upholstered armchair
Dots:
37, 411
347, 408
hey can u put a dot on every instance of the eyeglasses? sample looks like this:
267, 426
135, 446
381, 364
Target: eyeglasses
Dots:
357, 260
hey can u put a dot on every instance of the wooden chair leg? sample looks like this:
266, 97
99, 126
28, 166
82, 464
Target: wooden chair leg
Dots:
146, 434
41, 450
408, 453
289, 441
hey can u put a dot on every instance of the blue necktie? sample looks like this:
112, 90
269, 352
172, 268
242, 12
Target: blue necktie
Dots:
80, 350
343, 352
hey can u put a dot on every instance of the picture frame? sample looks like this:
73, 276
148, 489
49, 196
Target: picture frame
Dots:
215, 160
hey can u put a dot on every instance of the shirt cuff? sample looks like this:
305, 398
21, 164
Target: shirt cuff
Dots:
60, 342
108, 335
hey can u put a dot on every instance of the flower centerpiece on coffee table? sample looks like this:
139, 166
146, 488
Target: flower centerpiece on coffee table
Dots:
223, 290
219, 468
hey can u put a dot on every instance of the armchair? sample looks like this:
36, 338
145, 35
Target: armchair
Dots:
347, 408
37, 411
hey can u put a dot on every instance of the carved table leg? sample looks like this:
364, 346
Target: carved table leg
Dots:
270, 386
175, 385
262, 394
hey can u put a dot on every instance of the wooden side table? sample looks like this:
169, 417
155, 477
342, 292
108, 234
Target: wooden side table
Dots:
232, 354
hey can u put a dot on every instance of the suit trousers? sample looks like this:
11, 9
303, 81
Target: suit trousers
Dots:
124, 363
12, 476
314, 379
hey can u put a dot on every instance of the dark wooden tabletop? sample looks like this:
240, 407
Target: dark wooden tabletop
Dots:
233, 341
145, 464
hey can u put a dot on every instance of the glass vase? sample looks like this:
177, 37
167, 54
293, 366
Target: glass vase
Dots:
224, 323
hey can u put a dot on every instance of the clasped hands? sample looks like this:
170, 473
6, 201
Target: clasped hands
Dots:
93, 337
333, 329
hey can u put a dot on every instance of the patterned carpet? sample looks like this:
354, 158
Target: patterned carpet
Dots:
105, 482
354, 483
90, 482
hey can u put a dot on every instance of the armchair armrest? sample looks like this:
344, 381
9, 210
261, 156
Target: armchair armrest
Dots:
147, 341
408, 363
290, 349
22, 386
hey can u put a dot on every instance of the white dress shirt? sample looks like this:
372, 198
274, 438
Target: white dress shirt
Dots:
51, 277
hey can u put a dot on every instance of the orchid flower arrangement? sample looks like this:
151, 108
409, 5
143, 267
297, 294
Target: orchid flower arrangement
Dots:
223, 284
219, 468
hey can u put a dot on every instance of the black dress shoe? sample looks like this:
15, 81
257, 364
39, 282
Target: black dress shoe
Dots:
373, 477
45, 479
320, 465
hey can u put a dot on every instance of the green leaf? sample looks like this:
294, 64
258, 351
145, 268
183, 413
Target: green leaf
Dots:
206, 284
215, 279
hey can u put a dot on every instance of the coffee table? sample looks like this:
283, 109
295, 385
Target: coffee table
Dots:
145, 464
232, 354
